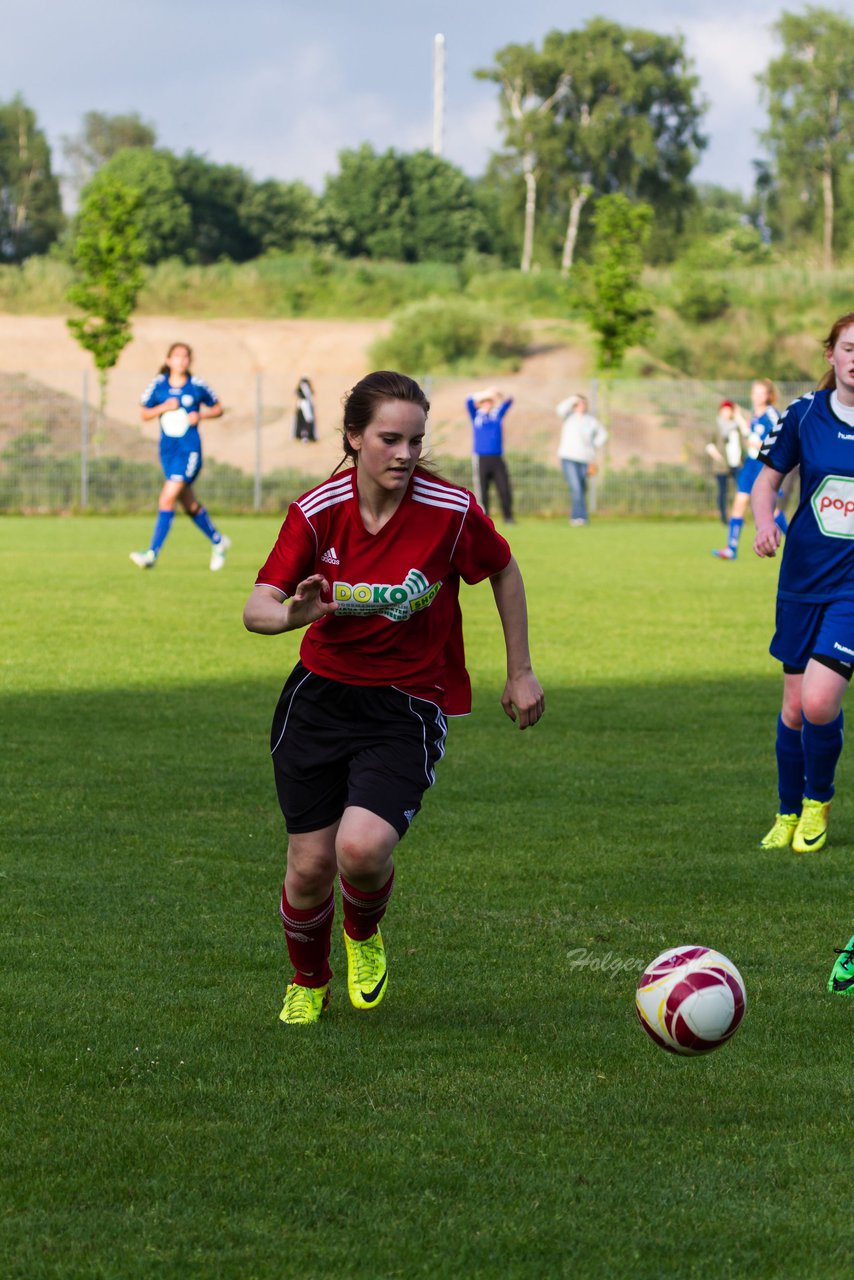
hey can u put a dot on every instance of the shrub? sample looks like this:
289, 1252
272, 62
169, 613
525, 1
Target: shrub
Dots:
450, 334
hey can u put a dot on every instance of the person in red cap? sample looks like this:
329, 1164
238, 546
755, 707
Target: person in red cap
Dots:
726, 449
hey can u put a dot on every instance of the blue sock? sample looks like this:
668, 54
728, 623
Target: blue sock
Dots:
735, 527
207, 526
822, 749
162, 525
790, 767
781, 522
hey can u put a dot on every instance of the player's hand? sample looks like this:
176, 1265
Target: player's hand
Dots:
523, 697
193, 418
767, 540
307, 605
168, 405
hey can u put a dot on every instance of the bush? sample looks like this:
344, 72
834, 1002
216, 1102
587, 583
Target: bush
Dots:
450, 334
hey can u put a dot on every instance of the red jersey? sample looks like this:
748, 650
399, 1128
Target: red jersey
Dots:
398, 620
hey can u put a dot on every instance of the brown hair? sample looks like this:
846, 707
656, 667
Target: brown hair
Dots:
164, 368
828, 381
361, 404
769, 387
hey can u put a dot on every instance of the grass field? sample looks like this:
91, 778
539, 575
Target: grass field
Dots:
501, 1114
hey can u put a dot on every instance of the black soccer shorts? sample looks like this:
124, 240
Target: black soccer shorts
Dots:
335, 745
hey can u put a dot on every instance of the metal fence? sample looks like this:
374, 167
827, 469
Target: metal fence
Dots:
59, 452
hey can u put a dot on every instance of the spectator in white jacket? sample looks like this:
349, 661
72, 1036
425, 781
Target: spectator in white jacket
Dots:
581, 438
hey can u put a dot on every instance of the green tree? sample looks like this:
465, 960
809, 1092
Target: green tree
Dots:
530, 87
215, 195
809, 92
100, 137
281, 215
163, 220
30, 208
411, 207
107, 254
603, 109
446, 221
366, 204
616, 304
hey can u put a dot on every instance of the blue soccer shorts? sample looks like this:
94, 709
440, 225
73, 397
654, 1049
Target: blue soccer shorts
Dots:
824, 632
750, 469
180, 461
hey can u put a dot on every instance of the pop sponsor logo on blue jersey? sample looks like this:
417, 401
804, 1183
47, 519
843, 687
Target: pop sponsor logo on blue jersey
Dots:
833, 506
818, 564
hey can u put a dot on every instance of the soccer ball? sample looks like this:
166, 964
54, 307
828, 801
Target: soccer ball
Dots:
690, 1000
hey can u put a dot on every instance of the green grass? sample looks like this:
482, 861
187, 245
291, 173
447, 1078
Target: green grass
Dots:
501, 1114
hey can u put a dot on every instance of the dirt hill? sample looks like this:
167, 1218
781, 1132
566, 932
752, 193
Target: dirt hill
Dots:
254, 366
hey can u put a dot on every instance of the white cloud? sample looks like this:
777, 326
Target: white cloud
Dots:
728, 52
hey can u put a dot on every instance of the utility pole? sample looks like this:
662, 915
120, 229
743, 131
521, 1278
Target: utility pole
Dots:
438, 93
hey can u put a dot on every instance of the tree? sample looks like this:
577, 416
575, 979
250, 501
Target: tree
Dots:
596, 111
280, 215
616, 304
162, 219
107, 253
30, 209
100, 137
446, 221
411, 207
215, 196
809, 91
530, 88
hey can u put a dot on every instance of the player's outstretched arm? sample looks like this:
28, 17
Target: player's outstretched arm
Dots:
270, 613
763, 498
523, 696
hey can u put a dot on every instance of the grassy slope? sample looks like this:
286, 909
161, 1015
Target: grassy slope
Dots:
501, 1114
777, 315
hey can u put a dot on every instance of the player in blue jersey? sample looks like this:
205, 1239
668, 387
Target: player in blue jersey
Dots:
486, 410
763, 395
814, 638
180, 401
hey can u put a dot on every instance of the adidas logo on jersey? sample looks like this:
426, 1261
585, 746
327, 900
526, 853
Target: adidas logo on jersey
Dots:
330, 556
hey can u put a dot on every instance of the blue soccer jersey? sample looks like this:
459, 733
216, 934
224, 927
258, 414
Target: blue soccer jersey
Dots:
818, 558
190, 396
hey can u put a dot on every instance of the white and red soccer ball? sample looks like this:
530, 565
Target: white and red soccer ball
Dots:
690, 1000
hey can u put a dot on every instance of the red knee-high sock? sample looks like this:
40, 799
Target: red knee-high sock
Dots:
309, 936
363, 911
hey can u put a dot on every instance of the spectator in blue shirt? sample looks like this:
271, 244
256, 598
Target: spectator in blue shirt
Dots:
486, 410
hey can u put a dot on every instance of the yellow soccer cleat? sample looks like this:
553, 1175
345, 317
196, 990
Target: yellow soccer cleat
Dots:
780, 835
811, 831
304, 1005
367, 972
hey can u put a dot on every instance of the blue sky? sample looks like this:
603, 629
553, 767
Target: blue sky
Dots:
280, 87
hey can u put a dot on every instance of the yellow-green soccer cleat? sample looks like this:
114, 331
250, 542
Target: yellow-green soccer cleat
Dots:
367, 972
304, 1004
811, 831
780, 835
841, 980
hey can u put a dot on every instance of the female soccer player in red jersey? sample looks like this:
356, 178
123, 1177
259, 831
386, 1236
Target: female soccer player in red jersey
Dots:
814, 639
370, 563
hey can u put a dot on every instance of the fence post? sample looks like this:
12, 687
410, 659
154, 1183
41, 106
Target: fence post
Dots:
84, 443
259, 414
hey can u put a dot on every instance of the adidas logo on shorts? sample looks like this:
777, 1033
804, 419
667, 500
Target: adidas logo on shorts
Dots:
330, 556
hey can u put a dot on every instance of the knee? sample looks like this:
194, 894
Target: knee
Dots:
305, 883
357, 858
820, 708
791, 713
